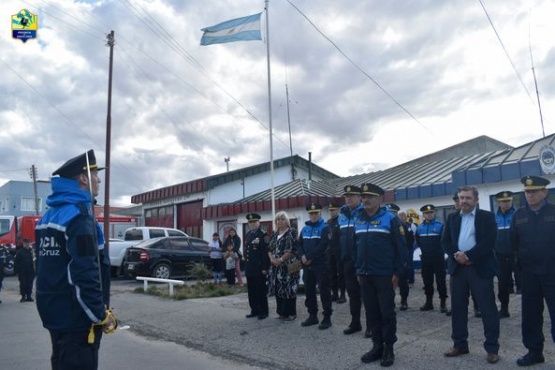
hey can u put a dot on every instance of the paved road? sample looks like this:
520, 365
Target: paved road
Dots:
217, 331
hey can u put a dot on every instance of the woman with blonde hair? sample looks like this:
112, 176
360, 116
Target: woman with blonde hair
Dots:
282, 282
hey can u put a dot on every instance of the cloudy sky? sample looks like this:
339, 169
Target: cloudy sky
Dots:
371, 83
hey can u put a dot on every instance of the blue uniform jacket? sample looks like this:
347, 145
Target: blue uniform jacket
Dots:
347, 220
503, 245
313, 244
381, 247
532, 236
428, 239
69, 292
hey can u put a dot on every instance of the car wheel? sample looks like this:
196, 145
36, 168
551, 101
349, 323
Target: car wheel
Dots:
162, 271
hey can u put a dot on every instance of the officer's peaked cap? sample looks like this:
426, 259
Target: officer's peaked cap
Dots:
78, 165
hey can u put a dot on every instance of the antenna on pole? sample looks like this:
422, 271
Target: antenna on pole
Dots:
290, 140
226, 160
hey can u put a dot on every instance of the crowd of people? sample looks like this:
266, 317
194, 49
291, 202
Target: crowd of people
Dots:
364, 252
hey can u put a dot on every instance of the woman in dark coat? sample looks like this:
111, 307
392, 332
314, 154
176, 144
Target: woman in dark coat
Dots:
236, 240
282, 283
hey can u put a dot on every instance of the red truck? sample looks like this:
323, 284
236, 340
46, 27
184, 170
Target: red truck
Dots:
13, 230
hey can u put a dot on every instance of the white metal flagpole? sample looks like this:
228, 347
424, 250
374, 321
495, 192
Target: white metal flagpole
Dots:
270, 109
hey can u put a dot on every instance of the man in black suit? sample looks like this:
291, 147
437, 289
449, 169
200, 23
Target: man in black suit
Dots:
469, 240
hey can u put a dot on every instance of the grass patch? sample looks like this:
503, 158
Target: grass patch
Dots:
197, 290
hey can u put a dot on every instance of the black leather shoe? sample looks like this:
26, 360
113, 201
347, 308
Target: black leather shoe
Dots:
530, 359
492, 358
427, 307
29, 299
262, 317
341, 299
312, 320
368, 333
477, 313
352, 329
373, 355
251, 315
503, 314
325, 324
455, 351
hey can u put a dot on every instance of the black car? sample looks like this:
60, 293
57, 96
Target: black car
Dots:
165, 257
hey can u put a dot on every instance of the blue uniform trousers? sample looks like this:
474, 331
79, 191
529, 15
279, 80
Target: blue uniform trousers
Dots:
434, 266
258, 298
322, 279
71, 351
353, 289
379, 301
536, 289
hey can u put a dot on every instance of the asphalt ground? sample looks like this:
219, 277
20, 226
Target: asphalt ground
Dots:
218, 327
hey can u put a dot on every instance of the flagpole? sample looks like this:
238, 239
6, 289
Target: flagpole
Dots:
270, 109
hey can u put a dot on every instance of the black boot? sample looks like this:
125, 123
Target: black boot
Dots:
374, 354
404, 304
428, 306
325, 324
443, 306
388, 357
312, 320
353, 327
341, 298
504, 311
334, 295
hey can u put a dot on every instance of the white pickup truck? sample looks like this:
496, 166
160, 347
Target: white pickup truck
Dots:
132, 237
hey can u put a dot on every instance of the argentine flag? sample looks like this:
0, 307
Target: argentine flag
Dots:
240, 29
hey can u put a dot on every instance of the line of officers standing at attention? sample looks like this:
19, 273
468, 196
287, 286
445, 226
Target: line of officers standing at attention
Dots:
366, 250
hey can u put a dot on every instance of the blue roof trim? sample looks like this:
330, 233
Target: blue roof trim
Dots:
474, 176
510, 171
492, 174
401, 194
438, 189
412, 192
530, 168
425, 191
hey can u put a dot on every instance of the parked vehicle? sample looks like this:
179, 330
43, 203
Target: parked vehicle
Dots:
132, 237
166, 257
7, 256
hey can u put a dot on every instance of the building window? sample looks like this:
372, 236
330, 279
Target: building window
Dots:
28, 204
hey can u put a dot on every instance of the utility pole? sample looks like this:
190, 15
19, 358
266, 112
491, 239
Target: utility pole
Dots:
33, 173
110, 43
226, 160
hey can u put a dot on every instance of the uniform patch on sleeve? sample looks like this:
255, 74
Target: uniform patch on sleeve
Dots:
85, 246
402, 230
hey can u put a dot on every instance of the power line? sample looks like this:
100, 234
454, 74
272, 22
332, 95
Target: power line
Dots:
505, 50
359, 68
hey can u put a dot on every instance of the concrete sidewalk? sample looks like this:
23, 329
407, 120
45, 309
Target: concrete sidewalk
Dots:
219, 326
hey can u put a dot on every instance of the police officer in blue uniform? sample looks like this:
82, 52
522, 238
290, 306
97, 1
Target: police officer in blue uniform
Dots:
313, 249
347, 220
428, 239
503, 251
337, 270
257, 264
381, 257
73, 272
532, 235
